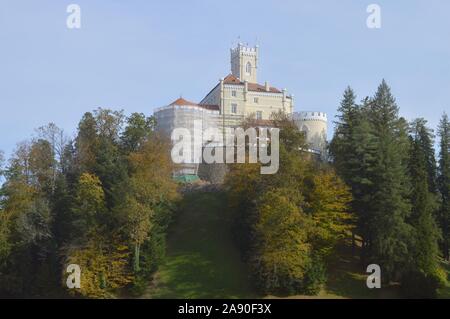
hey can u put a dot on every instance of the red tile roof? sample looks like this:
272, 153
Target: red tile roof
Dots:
231, 79
261, 88
182, 101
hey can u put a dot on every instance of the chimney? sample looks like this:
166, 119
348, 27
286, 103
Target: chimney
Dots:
267, 87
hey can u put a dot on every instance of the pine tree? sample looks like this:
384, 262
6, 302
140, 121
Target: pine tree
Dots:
425, 245
390, 234
86, 143
444, 183
353, 152
341, 146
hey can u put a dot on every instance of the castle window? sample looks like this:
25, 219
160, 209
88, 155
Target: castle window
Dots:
256, 100
258, 115
234, 108
248, 68
233, 93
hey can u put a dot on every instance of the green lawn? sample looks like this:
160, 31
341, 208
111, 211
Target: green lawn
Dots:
201, 261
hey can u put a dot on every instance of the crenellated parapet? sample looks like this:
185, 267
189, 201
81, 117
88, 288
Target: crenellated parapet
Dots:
311, 116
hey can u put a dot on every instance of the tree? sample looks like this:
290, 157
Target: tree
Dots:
150, 188
2, 161
342, 146
288, 224
57, 141
139, 129
328, 201
444, 183
104, 264
98, 250
425, 246
89, 201
390, 235
26, 238
426, 140
42, 166
89, 208
353, 151
109, 123
86, 143
282, 253
97, 149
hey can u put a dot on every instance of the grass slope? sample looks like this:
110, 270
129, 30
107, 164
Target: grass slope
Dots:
201, 260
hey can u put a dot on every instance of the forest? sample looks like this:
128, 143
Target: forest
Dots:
106, 199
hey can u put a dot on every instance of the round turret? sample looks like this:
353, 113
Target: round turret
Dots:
314, 124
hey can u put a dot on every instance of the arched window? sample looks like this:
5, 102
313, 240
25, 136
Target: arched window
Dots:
248, 68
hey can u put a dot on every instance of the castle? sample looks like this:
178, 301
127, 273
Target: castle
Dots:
235, 97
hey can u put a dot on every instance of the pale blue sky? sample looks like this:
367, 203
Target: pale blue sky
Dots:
138, 55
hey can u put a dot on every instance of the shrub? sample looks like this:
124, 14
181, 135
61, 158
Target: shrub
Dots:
416, 284
315, 277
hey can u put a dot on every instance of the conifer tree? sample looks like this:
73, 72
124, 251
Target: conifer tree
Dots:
341, 146
353, 152
390, 234
444, 183
425, 244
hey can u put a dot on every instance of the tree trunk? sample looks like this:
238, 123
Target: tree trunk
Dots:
137, 251
363, 252
446, 252
353, 244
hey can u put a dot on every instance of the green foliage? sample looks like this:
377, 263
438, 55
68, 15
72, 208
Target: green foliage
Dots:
139, 130
392, 177
148, 189
416, 284
281, 248
342, 146
444, 183
389, 234
315, 277
328, 199
86, 202
425, 248
104, 266
288, 224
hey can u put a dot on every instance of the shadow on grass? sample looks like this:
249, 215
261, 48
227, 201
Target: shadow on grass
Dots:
347, 278
202, 261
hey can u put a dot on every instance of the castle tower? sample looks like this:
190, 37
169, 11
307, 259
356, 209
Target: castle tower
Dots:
244, 63
314, 124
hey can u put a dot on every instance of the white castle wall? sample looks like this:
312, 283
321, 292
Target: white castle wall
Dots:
314, 124
185, 116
